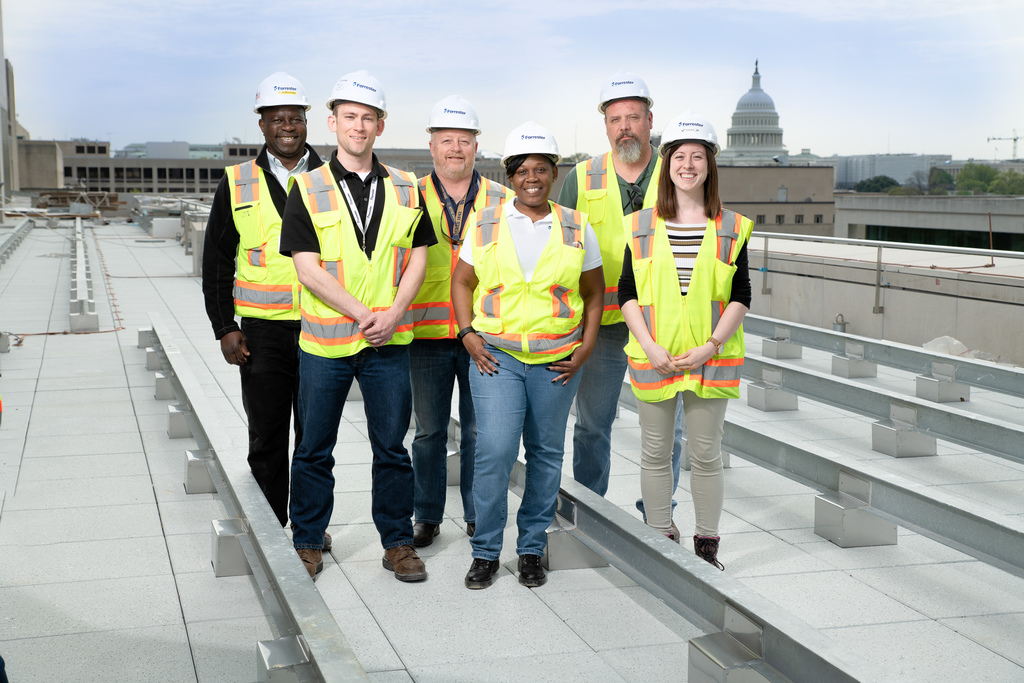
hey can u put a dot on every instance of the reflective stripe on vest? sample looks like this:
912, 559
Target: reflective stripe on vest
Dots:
720, 376
597, 173
247, 183
266, 286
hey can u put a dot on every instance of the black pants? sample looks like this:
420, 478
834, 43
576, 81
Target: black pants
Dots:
270, 383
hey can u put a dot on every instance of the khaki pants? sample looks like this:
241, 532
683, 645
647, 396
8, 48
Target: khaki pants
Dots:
704, 420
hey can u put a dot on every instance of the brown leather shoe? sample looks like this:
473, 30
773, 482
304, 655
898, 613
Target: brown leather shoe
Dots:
405, 563
312, 559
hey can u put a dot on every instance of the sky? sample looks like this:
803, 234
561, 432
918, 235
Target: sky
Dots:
847, 76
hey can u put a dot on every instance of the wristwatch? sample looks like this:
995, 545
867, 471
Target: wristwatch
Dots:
464, 331
718, 344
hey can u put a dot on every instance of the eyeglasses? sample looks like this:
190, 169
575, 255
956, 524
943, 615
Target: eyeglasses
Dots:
636, 196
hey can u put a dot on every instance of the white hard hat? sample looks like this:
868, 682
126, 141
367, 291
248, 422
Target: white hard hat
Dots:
280, 89
530, 138
454, 112
689, 127
624, 85
361, 87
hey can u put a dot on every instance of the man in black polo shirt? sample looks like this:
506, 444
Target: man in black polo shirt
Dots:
358, 236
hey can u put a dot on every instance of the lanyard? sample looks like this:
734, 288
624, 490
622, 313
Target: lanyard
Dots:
355, 210
454, 222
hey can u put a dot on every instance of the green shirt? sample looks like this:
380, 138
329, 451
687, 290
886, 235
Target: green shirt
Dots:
570, 189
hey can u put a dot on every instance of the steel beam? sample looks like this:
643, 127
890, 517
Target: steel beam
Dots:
913, 359
997, 437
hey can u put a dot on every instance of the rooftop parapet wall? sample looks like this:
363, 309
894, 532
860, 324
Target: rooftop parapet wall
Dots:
936, 213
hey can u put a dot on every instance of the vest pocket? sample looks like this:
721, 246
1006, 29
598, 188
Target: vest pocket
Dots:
437, 273
596, 201
252, 263
328, 230
721, 285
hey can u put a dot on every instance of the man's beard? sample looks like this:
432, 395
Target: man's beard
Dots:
630, 150
455, 170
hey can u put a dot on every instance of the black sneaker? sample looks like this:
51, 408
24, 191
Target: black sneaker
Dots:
706, 548
481, 573
531, 574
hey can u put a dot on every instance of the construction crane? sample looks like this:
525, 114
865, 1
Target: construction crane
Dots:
1014, 138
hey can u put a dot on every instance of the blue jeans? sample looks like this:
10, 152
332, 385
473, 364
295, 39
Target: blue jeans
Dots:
600, 382
383, 376
519, 401
434, 367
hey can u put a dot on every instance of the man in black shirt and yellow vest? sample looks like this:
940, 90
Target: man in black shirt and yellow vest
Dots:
244, 274
455, 193
358, 236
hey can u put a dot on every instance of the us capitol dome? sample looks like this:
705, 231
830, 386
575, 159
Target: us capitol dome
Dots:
755, 137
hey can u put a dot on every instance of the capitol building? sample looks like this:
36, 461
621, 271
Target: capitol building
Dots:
755, 138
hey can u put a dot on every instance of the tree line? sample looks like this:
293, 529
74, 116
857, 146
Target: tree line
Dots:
972, 179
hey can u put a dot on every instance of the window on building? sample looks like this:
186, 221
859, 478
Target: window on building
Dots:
176, 173
253, 151
161, 174
80, 172
90, 149
232, 152
118, 174
818, 218
799, 219
79, 149
177, 189
94, 173
204, 174
104, 173
133, 173
780, 219
147, 174
68, 171
760, 219
216, 173
101, 149
190, 174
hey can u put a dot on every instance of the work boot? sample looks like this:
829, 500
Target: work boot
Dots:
481, 573
531, 574
405, 563
423, 533
706, 548
312, 560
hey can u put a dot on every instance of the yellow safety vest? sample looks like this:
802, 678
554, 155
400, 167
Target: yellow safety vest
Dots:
678, 322
265, 283
432, 314
538, 321
599, 197
325, 331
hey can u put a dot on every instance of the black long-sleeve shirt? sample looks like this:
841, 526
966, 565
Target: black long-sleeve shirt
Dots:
221, 246
741, 291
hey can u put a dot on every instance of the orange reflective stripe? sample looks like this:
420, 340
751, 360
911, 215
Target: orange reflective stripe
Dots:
335, 269
560, 302
597, 173
321, 190
266, 297
246, 182
611, 298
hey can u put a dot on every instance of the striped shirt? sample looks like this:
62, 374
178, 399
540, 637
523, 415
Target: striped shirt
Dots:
685, 239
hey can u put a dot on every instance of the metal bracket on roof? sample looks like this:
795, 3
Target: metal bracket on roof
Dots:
899, 436
780, 347
728, 654
842, 517
279, 661
941, 385
768, 395
227, 555
853, 363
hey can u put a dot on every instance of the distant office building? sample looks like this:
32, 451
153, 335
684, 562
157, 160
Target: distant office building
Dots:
850, 170
755, 138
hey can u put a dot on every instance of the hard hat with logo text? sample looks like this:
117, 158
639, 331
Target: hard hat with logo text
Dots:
530, 138
361, 87
624, 85
454, 112
689, 127
280, 89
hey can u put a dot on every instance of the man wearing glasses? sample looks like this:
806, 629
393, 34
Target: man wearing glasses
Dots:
454, 192
607, 188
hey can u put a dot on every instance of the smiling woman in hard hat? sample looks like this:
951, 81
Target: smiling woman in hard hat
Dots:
684, 292
535, 271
